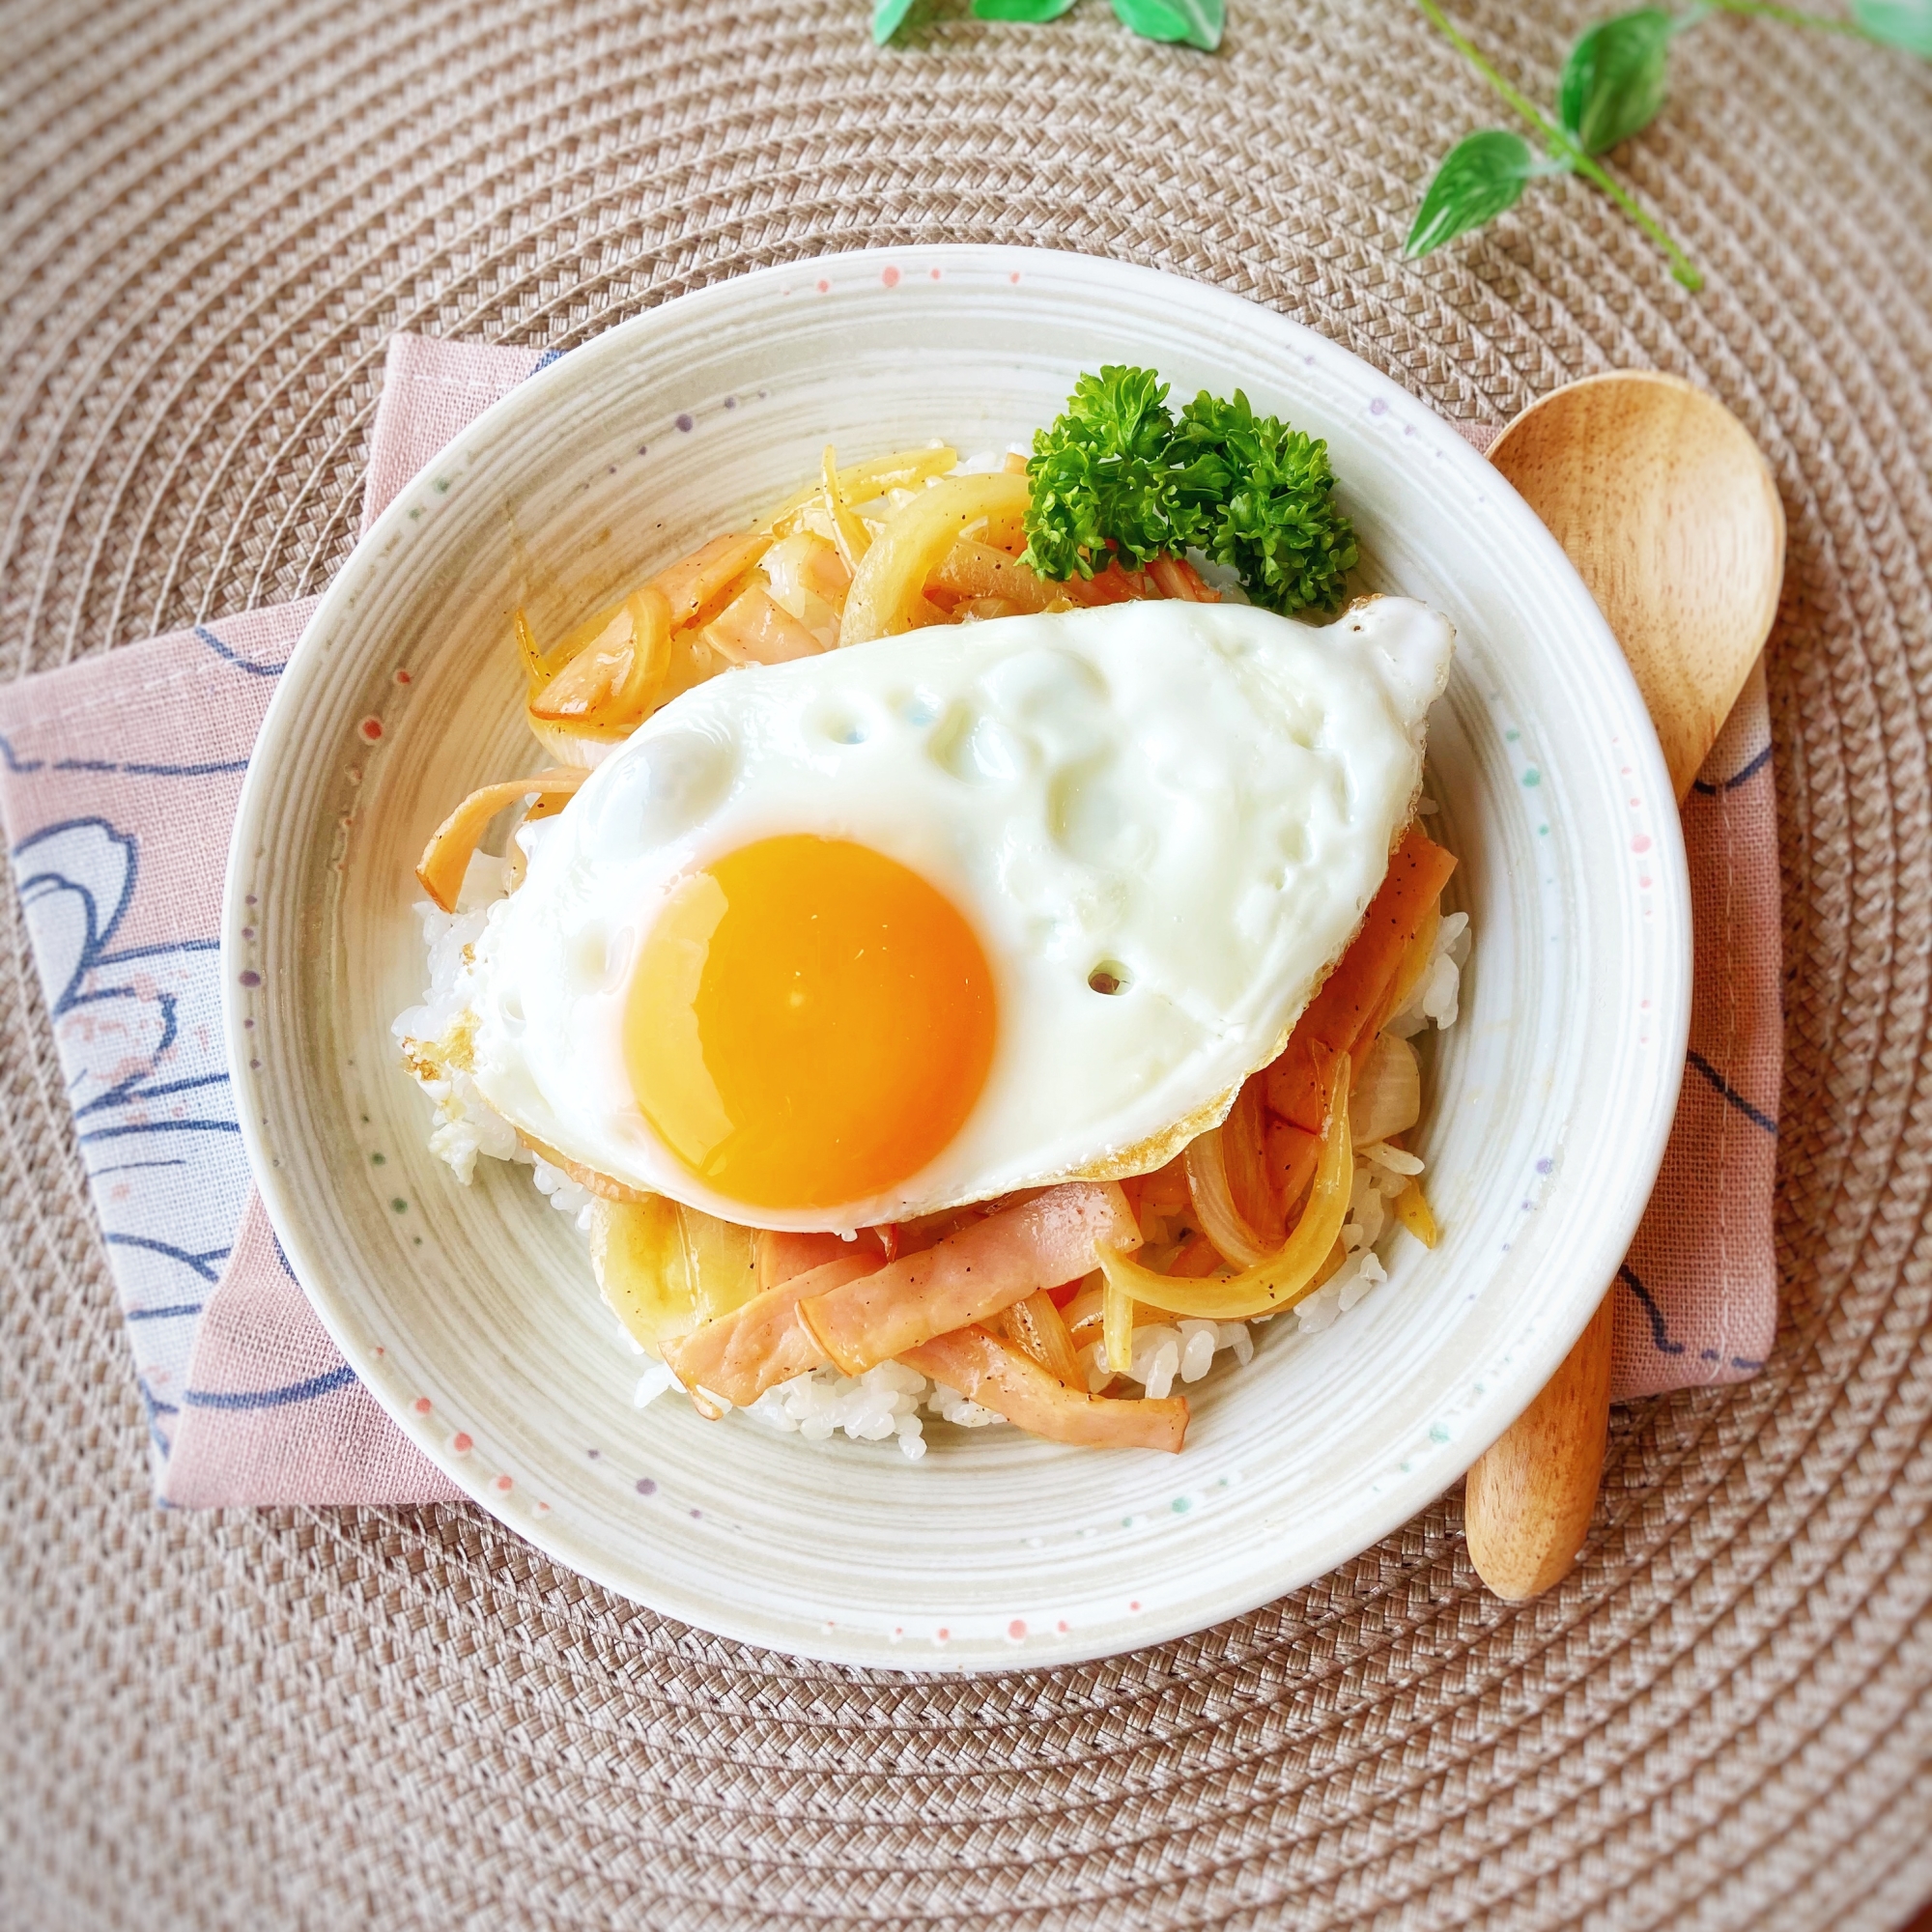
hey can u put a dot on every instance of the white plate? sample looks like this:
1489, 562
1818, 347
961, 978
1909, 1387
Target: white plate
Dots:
469, 1312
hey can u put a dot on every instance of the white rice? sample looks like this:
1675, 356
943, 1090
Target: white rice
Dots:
466, 1125
881, 1406
885, 1403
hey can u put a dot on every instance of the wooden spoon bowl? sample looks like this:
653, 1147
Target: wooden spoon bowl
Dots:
1668, 508
1668, 511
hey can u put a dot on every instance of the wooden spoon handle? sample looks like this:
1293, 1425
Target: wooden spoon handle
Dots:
1672, 518
1530, 1494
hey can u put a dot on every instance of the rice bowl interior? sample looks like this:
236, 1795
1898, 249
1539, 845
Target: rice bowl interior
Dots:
469, 1312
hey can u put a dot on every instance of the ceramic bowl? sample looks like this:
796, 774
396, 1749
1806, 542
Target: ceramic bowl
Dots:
469, 1312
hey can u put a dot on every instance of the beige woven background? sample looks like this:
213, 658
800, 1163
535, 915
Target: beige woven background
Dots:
214, 214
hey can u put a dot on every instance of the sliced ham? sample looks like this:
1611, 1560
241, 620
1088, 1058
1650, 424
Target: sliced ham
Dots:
755, 1347
783, 1258
970, 1275
693, 582
753, 629
1349, 1010
999, 1376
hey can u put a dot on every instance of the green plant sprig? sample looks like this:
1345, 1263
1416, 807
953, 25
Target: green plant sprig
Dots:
1614, 85
1194, 23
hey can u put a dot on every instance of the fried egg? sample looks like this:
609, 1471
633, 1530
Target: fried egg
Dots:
847, 940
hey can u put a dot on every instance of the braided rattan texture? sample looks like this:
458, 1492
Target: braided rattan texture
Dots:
214, 214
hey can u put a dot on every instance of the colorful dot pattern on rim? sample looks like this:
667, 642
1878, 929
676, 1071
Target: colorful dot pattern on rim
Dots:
682, 1529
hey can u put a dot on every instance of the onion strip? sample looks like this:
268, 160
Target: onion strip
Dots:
867, 482
537, 670
446, 856
999, 1376
1205, 1165
1413, 1211
1116, 1325
1088, 1309
853, 538
1281, 1280
1035, 1326
888, 594
972, 569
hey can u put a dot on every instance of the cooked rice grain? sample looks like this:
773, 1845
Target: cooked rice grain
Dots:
885, 1403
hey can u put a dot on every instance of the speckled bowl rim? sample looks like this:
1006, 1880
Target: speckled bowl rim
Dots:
1507, 1390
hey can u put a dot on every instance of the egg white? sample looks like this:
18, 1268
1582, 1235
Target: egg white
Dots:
1200, 799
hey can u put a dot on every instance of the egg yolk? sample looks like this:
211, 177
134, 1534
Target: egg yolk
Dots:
809, 1023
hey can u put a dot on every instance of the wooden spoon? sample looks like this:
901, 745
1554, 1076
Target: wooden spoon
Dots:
1668, 511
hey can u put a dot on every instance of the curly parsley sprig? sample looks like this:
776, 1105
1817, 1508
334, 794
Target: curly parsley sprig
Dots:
1614, 85
1259, 496
1116, 479
1102, 477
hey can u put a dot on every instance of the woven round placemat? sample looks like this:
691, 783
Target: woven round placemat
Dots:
215, 213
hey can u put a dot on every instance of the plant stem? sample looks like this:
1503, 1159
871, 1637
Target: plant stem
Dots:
1763, 10
1682, 268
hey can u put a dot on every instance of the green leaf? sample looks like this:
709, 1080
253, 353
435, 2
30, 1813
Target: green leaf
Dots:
1020, 10
1899, 24
1613, 82
1197, 22
1481, 176
887, 17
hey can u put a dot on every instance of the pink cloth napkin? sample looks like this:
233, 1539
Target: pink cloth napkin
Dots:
119, 777
1697, 1293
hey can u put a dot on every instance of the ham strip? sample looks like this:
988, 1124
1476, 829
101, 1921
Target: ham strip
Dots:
1348, 1013
971, 1275
742, 1355
783, 1258
986, 1370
